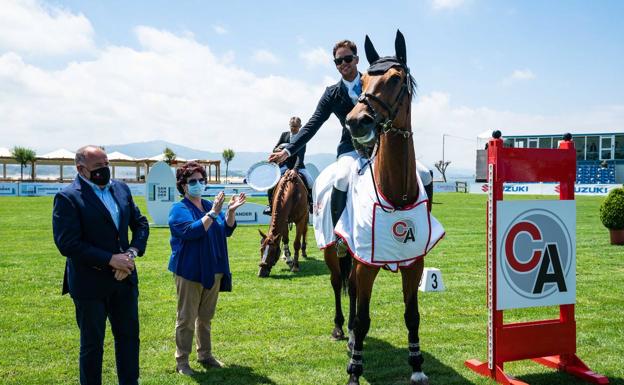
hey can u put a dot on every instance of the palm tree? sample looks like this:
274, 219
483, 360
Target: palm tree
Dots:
23, 156
228, 155
170, 156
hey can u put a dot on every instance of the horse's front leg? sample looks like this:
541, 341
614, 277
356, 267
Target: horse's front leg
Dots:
303, 241
365, 277
285, 249
301, 227
331, 260
411, 279
352, 291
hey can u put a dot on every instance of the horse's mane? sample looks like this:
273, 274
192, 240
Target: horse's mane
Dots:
282, 203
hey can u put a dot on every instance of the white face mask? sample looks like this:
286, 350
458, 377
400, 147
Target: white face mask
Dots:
196, 190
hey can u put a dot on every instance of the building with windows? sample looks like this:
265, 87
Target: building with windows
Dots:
599, 155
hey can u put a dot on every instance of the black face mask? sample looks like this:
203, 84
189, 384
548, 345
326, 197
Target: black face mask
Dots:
100, 176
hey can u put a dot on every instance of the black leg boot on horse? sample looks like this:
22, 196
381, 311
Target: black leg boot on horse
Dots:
338, 202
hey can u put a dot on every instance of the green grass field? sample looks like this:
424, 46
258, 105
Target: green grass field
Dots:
276, 330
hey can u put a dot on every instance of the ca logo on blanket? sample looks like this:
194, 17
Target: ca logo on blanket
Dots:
404, 231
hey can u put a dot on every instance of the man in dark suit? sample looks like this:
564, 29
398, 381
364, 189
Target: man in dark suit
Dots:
295, 161
90, 222
338, 99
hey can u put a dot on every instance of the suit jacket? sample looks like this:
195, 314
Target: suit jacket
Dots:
85, 233
296, 160
335, 100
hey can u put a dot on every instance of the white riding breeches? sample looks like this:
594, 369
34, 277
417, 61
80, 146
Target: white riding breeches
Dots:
343, 171
307, 178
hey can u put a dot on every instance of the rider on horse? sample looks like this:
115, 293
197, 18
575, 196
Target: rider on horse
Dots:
295, 161
338, 99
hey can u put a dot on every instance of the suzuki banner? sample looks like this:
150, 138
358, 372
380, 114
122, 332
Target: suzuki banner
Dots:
545, 188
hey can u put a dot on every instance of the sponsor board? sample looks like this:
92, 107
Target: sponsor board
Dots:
535, 253
444, 187
161, 192
251, 214
545, 188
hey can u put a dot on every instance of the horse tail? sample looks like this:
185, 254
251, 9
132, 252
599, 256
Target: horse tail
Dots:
345, 264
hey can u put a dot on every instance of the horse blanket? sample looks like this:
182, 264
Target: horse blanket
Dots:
375, 233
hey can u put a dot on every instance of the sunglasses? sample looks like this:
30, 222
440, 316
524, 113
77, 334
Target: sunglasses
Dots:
193, 182
347, 59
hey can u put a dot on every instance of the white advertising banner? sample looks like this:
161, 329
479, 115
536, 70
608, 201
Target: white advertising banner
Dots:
161, 192
535, 253
545, 188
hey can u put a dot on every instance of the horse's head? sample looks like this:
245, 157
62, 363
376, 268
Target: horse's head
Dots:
269, 253
387, 88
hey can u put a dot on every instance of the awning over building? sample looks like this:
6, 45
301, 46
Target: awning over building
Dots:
61, 154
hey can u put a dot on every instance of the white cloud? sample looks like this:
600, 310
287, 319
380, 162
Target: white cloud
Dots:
176, 89
264, 56
518, 76
171, 88
434, 115
219, 29
317, 57
29, 27
446, 4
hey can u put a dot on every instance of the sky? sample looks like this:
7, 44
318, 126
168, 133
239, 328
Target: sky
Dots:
215, 75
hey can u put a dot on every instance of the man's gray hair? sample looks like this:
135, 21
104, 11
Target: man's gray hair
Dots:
81, 153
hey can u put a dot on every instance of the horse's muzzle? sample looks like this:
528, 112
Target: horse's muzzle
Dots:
362, 127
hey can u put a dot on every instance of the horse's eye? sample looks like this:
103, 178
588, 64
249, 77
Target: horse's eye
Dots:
394, 79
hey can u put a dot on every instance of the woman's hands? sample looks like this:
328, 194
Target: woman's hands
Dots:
237, 201
217, 204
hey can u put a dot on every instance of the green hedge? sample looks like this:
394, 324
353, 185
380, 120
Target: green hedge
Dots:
612, 209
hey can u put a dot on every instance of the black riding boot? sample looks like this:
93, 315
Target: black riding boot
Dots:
337, 203
310, 201
269, 209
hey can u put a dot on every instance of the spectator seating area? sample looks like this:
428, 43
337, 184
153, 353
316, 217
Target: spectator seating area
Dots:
594, 173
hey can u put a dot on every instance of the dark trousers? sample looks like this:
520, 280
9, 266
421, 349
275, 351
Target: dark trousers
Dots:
122, 309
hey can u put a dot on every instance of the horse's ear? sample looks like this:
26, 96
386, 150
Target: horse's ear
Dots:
371, 54
262, 235
399, 47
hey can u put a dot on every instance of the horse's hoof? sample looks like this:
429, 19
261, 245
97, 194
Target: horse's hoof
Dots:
419, 378
337, 334
263, 273
353, 380
305, 256
294, 269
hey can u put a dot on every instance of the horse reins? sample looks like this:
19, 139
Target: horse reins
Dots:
387, 126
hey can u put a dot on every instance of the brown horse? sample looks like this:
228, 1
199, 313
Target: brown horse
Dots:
382, 120
290, 205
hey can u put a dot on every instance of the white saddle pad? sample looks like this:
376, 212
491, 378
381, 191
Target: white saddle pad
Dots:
385, 238
321, 214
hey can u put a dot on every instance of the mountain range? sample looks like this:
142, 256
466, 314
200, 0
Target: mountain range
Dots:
239, 165
242, 159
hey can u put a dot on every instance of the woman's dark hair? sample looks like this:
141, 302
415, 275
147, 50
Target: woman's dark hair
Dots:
184, 172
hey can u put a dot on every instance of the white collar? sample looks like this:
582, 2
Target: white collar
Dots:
351, 84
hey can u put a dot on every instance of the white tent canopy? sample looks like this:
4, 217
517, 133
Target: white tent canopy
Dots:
59, 154
116, 155
5, 153
161, 157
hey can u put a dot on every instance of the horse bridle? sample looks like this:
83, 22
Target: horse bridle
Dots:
385, 124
